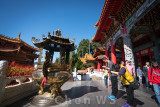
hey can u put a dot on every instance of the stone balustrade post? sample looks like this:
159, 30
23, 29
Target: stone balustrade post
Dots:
3, 67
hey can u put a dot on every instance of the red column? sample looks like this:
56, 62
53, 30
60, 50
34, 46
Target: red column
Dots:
98, 65
113, 53
123, 55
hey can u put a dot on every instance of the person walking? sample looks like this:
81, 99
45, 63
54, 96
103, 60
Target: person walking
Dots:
131, 68
145, 72
106, 78
139, 74
113, 77
154, 79
125, 77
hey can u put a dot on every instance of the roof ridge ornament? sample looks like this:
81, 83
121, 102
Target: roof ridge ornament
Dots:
53, 32
43, 36
34, 39
49, 36
58, 33
72, 41
19, 36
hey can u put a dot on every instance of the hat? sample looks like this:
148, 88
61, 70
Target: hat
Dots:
129, 61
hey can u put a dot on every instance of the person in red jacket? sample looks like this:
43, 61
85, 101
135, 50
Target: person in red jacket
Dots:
154, 79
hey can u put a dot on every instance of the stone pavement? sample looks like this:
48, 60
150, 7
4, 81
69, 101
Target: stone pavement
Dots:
94, 94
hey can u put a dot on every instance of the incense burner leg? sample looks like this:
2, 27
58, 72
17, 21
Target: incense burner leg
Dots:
54, 92
60, 92
41, 90
52, 89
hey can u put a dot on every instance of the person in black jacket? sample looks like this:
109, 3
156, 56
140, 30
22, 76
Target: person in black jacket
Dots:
145, 72
114, 81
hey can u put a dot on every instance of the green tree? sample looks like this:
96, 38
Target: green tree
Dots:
57, 61
74, 59
79, 65
76, 62
93, 47
83, 47
89, 64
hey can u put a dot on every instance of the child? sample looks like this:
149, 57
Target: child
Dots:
106, 78
139, 74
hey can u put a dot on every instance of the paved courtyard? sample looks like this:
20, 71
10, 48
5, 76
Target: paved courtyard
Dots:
94, 94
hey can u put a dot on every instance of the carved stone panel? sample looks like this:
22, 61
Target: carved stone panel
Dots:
128, 48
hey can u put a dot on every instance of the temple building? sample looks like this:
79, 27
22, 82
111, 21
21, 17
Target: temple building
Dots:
17, 51
88, 58
96, 58
100, 52
131, 26
97, 62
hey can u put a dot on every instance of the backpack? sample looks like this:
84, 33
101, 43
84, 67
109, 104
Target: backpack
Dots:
135, 84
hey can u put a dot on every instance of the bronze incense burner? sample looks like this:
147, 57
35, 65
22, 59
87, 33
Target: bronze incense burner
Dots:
51, 74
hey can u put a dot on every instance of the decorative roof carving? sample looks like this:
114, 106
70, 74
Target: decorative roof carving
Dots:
57, 39
124, 11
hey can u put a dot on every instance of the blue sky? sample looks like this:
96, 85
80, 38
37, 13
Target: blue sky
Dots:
75, 18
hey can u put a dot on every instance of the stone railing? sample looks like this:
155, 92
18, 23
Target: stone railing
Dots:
53, 66
97, 74
98, 70
13, 89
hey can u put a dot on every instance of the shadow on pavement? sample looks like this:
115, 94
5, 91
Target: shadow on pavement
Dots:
120, 94
154, 98
137, 102
76, 92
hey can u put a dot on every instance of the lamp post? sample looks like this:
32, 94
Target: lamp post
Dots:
89, 48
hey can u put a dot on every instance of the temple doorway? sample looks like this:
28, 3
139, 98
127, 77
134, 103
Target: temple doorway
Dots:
145, 59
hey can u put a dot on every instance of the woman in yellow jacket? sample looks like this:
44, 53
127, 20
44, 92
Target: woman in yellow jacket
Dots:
124, 73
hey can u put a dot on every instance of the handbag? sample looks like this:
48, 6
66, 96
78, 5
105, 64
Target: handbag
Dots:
135, 84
